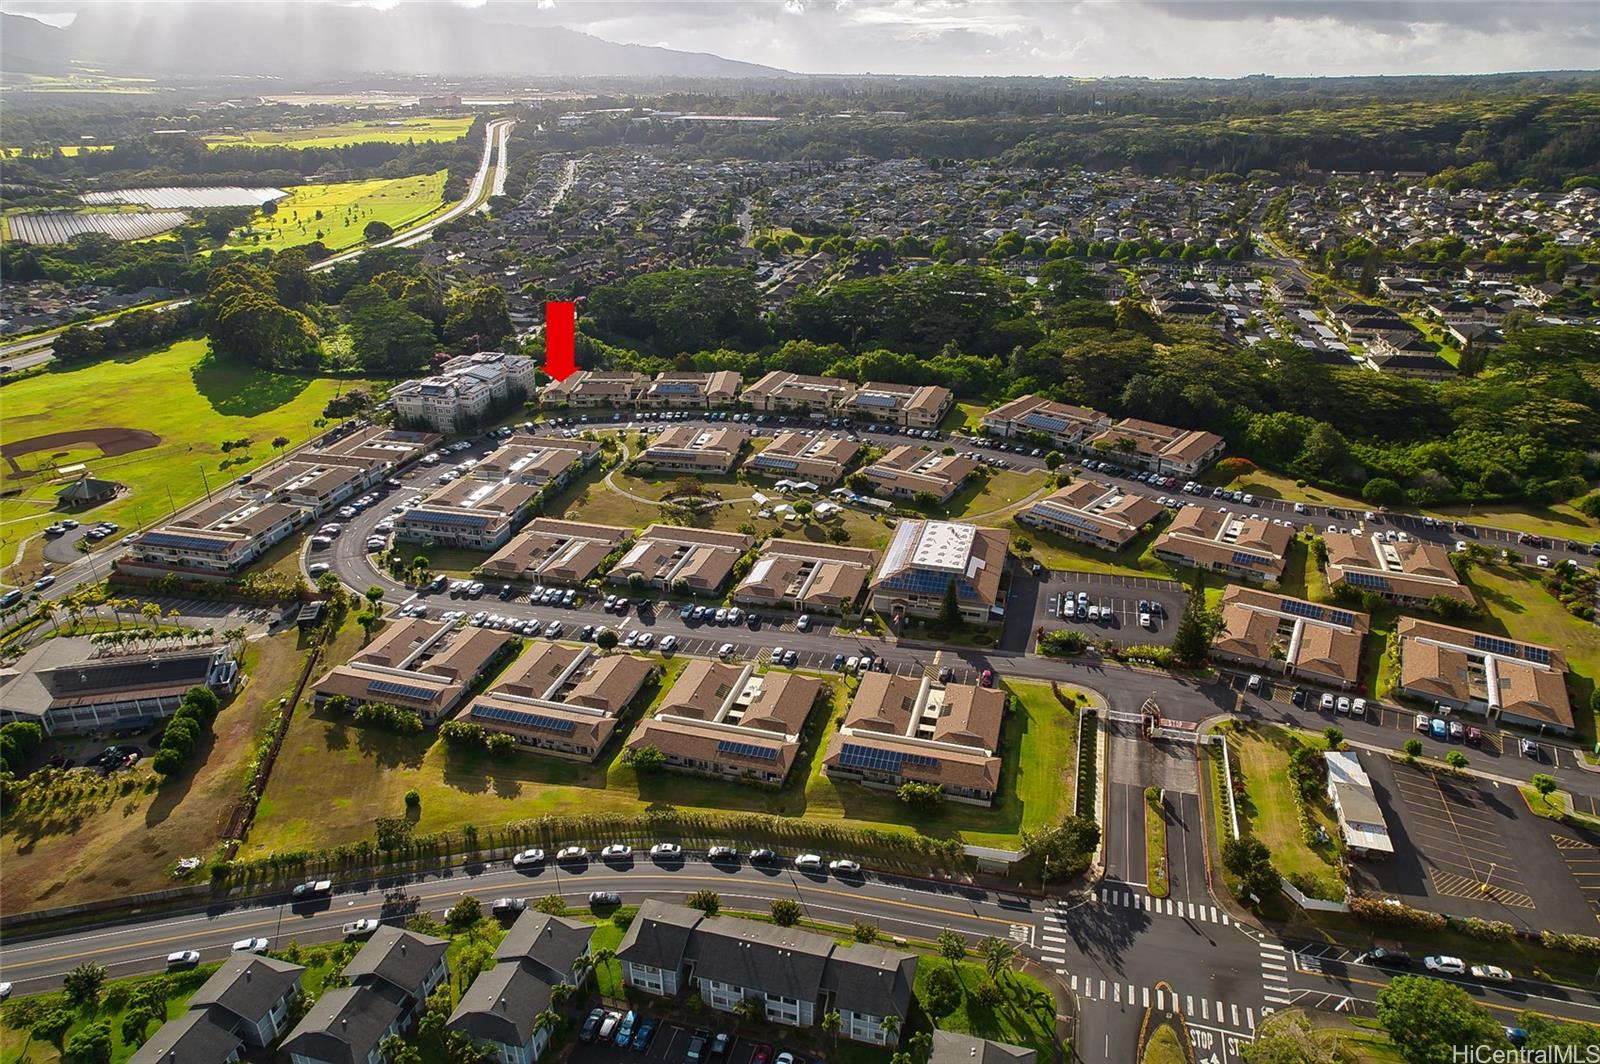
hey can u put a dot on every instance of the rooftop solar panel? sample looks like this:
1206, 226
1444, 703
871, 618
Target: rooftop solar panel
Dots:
440, 517
730, 748
395, 689
1368, 580
880, 760
537, 721
179, 541
1295, 607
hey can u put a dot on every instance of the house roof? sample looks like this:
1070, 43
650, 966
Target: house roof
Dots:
398, 957
1201, 534
248, 985
871, 979
345, 1025
923, 556
501, 1005
1526, 680
950, 1047
779, 960
552, 942
659, 935
1320, 638
1411, 568
195, 1037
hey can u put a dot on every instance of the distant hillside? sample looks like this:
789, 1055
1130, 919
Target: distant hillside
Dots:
313, 42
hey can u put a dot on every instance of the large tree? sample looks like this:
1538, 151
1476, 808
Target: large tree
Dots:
480, 311
1430, 1020
390, 340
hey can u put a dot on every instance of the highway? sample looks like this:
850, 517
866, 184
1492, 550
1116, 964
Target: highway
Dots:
488, 181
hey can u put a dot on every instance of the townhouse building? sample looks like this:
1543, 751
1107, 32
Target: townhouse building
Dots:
561, 700
802, 576
1158, 448
731, 722
68, 686
950, 1047
672, 558
797, 976
1247, 548
694, 449
914, 406
216, 542
1408, 572
588, 389
691, 391
925, 557
1104, 517
1065, 426
1505, 680
903, 729
818, 458
389, 983
546, 462
552, 551
468, 513
498, 1010
465, 393
245, 1005
381, 450
911, 470
415, 664
785, 392
1276, 633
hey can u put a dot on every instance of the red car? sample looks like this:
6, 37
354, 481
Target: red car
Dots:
762, 1055
986, 678
1474, 736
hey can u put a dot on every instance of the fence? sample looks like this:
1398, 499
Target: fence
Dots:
1309, 903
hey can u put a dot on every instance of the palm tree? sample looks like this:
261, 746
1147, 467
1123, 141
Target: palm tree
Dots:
46, 611
547, 1020
279, 443
998, 953
831, 1022
562, 993
891, 1027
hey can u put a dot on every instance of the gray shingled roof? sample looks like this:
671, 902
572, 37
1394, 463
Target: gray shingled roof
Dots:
659, 934
248, 986
399, 957
778, 960
545, 941
871, 979
501, 1004
193, 1038
952, 1048
344, 1026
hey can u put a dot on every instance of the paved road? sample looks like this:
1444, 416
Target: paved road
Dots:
487, 181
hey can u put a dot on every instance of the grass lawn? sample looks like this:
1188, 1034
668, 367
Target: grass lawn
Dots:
377, 768
1012, 1021
1269, 485
1519, 607
1155, 842
1056, 552
17, 1047
1268, 810
382, 131
179, 393
1000, 490
346, 207
1163, 1047
110, 847
1560, 520
964, 417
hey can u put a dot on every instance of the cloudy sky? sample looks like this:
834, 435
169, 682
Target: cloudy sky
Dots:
1156, 38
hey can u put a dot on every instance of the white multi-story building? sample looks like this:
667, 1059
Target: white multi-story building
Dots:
464, 393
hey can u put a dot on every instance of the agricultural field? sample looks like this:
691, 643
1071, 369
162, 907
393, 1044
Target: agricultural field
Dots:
169, 410
58, 227
379, 131
337, 213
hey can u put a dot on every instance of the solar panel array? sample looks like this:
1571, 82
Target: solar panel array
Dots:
1308, 610
441, 518
1341, 617
1241, 558
924, 582
536, 721
1071, 519
399, 690
676, 387
1367, 580
775, 462
180, 541
730, 748
878, 399
1045, 422
880, 760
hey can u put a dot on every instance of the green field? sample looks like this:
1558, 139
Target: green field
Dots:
376, 131
346, 207
377, 768
1268, 810
189, 400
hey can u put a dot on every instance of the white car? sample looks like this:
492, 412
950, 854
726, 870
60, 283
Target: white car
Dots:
250, 945
572, 853
528, 859
1491, 972
666, 849
616, 851
184, 958
845, 867
1445, 965
809, 862
318, 569
669, 644
1542, 561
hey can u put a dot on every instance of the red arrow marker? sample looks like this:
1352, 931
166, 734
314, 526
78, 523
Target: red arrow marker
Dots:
560, 328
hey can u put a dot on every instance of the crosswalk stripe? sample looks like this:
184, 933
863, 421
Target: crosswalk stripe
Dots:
1161, 999
1130, 993
1191, 910
1147, 903
1116, 989
1073, 985
1234, 1012
1219, 1012
1213, 911
1102, 990
1276, 999
1273, 967
1226, 920
1048, 937
1271, 947
1146, 997
1188, 1005
1205, 1009
1250, 1017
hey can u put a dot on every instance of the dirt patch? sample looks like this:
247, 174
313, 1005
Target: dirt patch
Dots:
111, 442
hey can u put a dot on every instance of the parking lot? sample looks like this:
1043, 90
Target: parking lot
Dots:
1470, 847
1115, 601
670, 1043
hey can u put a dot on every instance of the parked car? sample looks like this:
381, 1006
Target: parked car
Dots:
1474, 735
808, 862
1530, 749
508, 907
1492, 973
1327, 702
986, 678
608, 1026
1438, 728
1358, 708
359, 928
314, 888
572, 853
625, 1031
697, 1046
719, 1046
762, 1054
183, 959
804, 623
599, 898
844, 867
666, 849
1422, 723
762, 856
591, 1025
1386, 958
1458, 731
528, 859
1445, 965
644, 1035
616, 852
250, 945
722, 853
